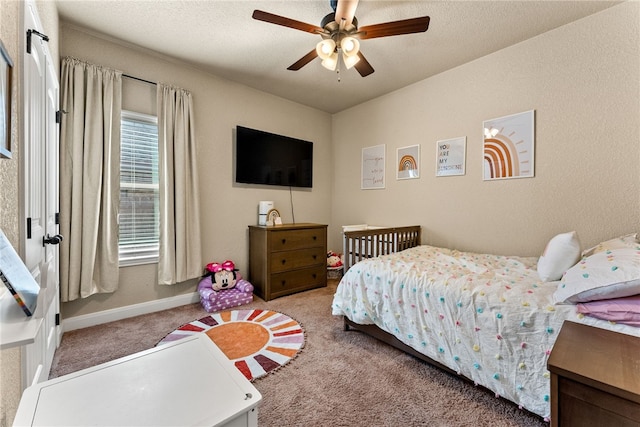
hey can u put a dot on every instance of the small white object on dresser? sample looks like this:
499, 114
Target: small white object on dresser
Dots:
187, 383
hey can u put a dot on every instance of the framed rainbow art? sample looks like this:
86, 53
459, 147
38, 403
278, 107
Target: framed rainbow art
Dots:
508, 148
408, 162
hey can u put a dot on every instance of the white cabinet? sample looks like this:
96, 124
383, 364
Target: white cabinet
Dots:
186, 383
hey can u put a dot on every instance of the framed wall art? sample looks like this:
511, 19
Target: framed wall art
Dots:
373, 167
6, 66
508, 148
408, 162
451, 155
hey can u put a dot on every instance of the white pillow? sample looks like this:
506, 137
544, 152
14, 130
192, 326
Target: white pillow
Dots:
562, 252
612, 273
626, 241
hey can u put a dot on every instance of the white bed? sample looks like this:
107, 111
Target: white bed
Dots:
488, 318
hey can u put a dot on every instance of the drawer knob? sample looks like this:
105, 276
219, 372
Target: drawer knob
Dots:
284, 241
315, 238
283, 282
315, 256
313, 275
284, 261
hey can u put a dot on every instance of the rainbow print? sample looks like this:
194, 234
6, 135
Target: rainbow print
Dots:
501, 158
407, 163
508, 150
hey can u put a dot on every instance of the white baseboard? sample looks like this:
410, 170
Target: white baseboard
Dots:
86, 320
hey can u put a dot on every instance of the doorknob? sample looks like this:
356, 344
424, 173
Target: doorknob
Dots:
51, 240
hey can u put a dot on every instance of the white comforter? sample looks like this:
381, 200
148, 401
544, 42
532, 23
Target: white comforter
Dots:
487, 317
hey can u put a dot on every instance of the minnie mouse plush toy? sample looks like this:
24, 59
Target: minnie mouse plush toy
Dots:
222, 287
223, 276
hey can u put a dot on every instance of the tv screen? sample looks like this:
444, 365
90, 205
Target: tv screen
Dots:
269, 159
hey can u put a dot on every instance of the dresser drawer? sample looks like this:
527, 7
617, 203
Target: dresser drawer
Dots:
296, 280
290, 240
290, 260
585, 405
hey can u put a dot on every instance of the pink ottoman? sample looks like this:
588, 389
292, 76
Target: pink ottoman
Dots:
213, 301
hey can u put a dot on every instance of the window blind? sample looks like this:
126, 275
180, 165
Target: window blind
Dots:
139, 204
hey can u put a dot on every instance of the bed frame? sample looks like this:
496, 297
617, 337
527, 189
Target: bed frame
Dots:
371, 241
387, 338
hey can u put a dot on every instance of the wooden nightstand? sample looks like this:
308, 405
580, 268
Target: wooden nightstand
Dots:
595, 377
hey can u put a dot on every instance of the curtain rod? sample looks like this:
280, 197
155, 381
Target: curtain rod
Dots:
139, 79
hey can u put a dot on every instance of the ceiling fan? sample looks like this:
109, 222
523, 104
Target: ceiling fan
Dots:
341, 35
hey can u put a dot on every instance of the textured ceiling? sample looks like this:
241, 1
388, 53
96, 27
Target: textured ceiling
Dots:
222, 38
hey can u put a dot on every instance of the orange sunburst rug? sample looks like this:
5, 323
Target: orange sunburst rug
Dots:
256, 341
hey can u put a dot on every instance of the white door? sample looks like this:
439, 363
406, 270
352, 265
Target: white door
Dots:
34, 146
40, 183
51, 264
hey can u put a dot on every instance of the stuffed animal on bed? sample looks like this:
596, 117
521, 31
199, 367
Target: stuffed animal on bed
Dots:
223, 287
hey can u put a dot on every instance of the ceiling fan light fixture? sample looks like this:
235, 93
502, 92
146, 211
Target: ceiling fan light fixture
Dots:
350, 61
350, 46
331, 62
326, 48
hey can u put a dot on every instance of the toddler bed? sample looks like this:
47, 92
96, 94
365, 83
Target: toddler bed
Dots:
488, 318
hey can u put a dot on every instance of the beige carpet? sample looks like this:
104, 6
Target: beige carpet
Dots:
339, 379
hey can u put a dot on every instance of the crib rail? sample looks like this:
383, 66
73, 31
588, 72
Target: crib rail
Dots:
373, 242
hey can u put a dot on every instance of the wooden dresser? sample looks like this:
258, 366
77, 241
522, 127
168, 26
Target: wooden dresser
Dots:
288, 258
595, 377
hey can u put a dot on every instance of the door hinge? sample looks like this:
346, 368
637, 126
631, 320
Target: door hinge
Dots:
59, 114
28, 228
37, 33
57, 218
57, 319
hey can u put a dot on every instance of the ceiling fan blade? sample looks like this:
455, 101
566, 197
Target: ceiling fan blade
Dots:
303, 61
363, 66
346, 9
395, 28
286, 22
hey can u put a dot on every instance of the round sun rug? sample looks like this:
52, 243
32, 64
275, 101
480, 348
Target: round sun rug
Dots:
256, 341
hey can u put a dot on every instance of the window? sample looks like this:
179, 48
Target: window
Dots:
139, 200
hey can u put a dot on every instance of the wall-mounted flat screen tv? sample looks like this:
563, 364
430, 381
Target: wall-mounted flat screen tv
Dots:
269, 159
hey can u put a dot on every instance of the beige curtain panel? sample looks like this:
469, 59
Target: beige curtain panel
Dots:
180, 257
89, 178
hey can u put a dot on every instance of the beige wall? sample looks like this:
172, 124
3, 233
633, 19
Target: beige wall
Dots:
226, 208
582, 80
10, 25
